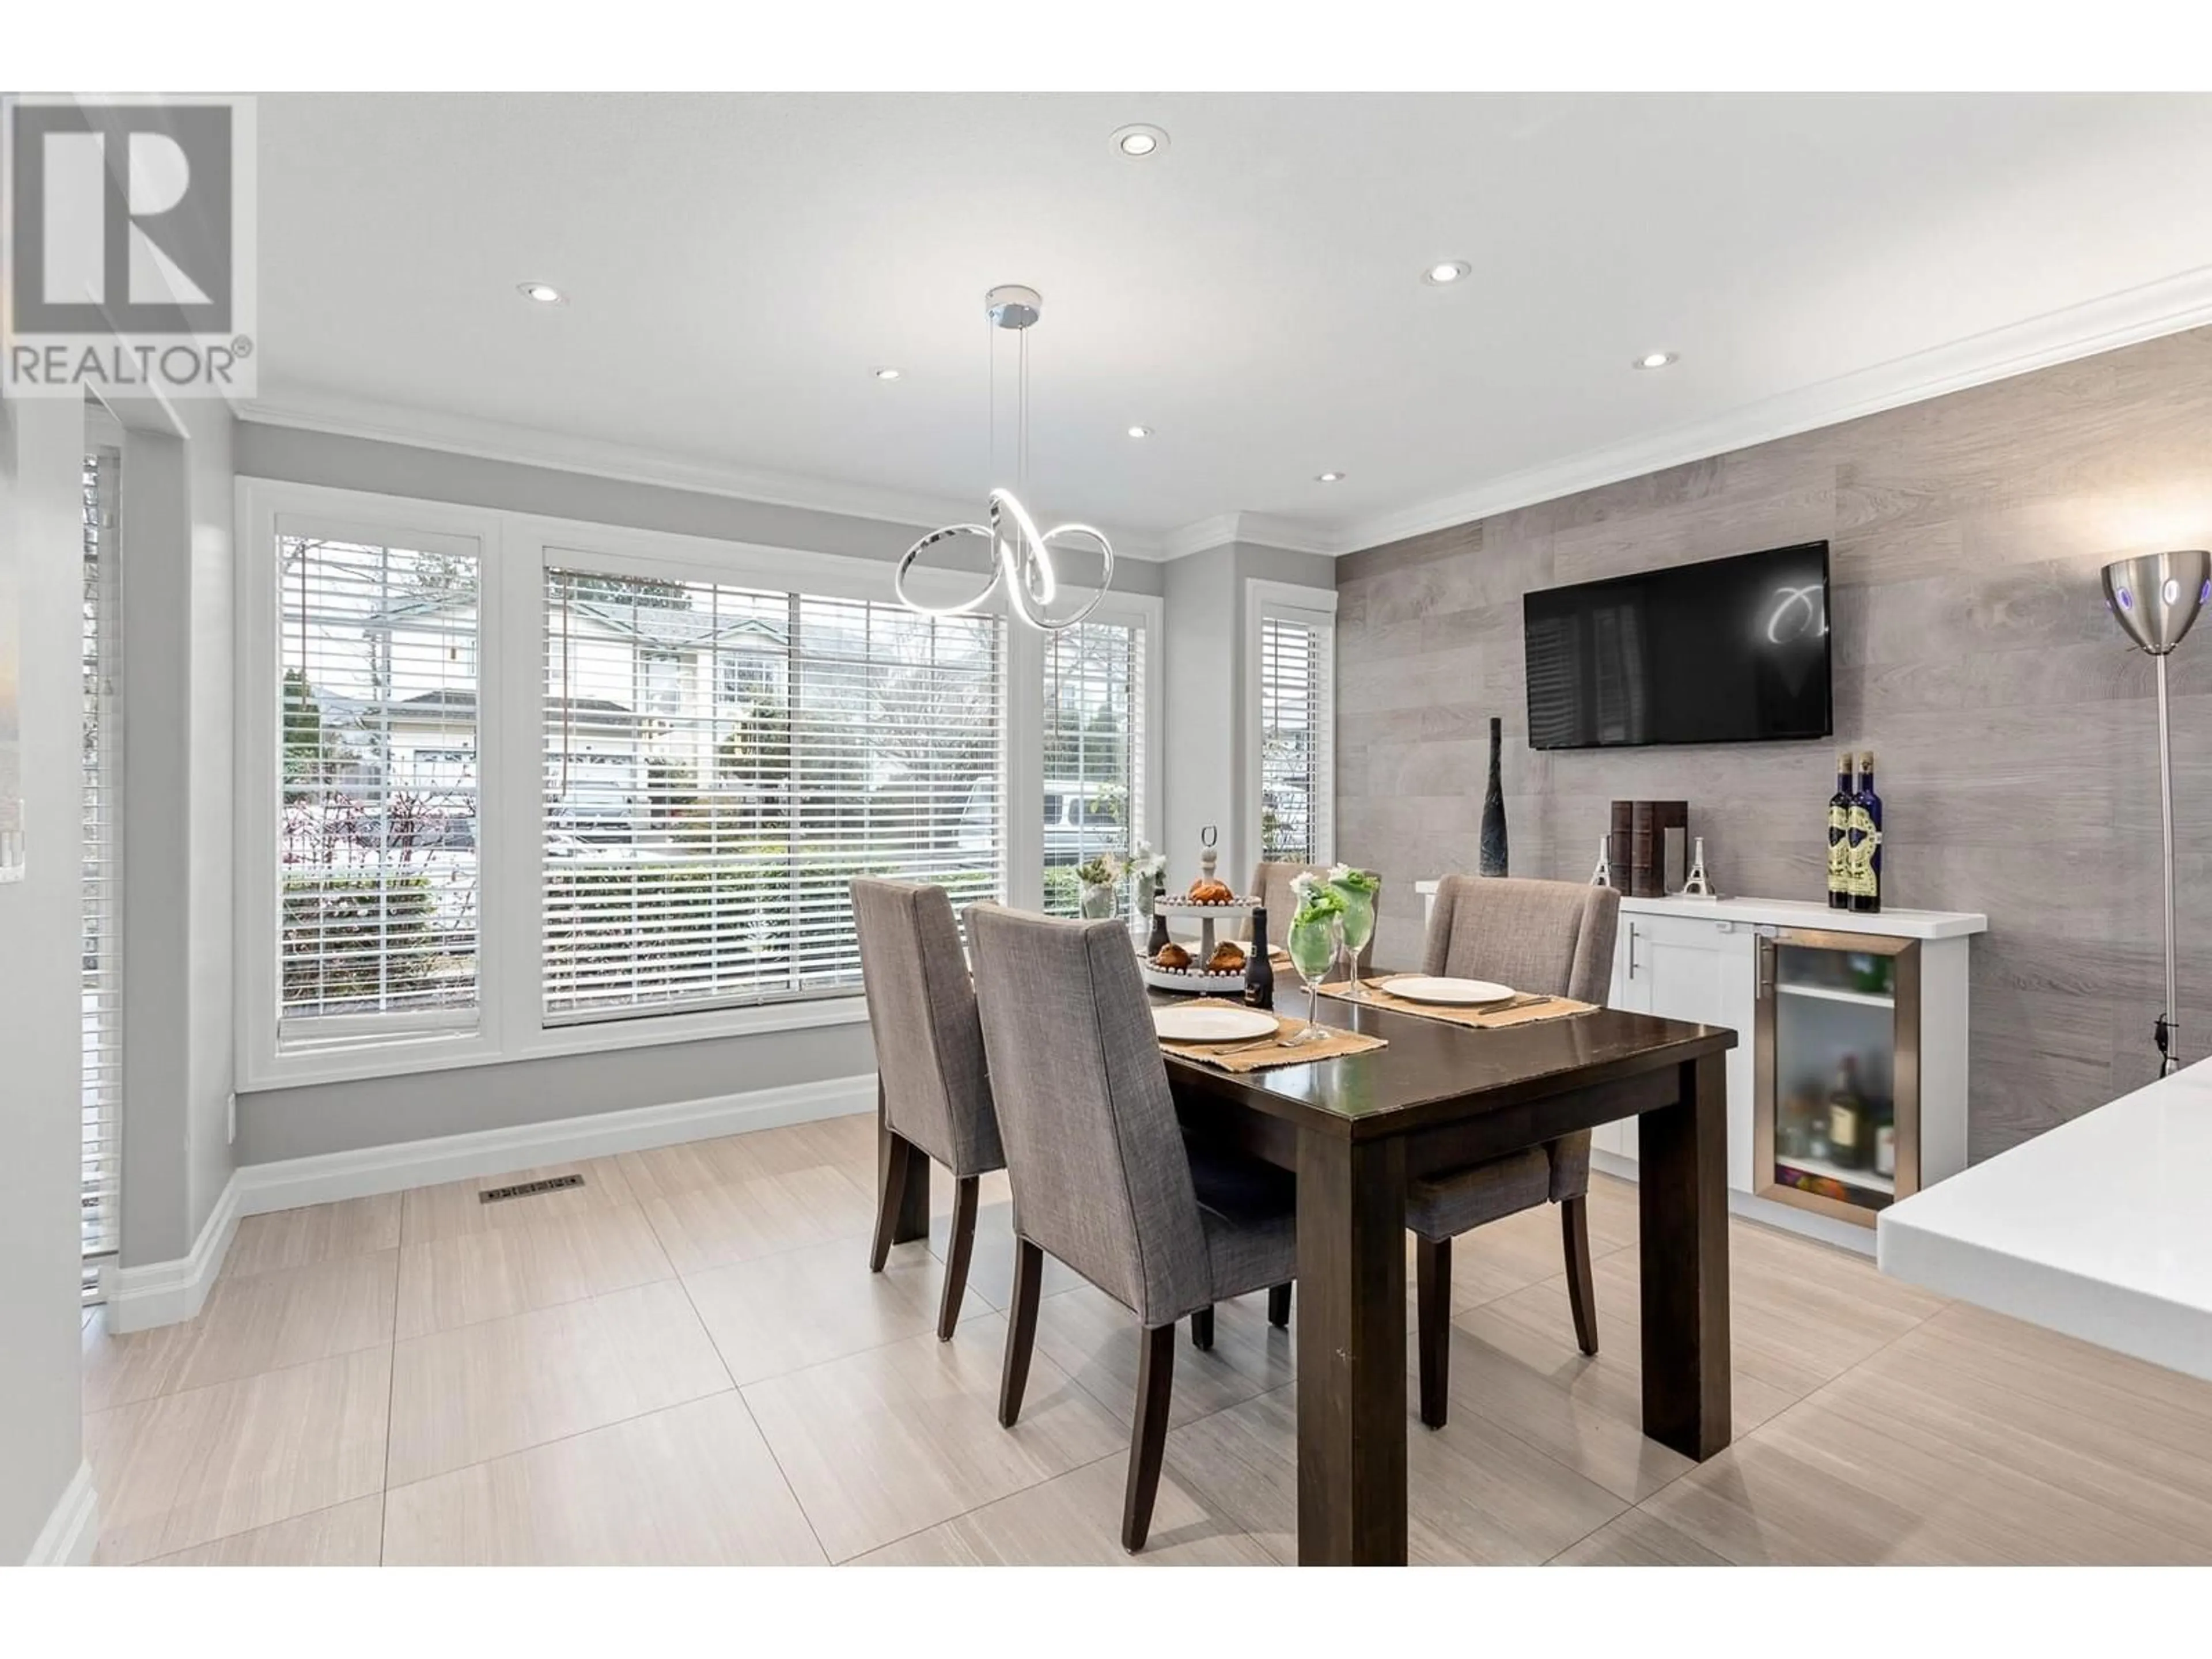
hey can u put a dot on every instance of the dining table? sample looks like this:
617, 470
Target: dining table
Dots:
1357, 1129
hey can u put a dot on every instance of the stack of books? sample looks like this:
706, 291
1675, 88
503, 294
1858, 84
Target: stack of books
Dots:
1649, 847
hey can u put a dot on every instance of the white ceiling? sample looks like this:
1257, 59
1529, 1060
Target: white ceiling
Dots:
738, 265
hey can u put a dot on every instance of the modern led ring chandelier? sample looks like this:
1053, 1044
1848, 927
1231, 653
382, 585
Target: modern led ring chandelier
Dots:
1021, 555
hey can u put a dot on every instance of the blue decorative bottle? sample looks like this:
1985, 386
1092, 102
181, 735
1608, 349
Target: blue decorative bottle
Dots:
1866, 840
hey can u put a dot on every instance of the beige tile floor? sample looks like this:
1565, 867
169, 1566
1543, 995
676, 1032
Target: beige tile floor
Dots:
686, 1361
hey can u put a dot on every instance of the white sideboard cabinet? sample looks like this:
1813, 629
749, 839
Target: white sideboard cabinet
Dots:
1847, 1086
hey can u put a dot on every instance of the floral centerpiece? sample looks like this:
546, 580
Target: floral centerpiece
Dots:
1100, 875
1147, 866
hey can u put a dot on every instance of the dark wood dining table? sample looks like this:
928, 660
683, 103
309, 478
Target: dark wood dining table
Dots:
1357, 1129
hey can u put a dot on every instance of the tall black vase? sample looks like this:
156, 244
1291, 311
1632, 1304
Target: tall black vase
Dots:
1493, 810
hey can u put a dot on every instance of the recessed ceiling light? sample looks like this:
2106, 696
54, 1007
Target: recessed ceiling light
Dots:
543, 293
887, 375
1139, 142
1328, 477
1140, 432
1656, 359
1448, 270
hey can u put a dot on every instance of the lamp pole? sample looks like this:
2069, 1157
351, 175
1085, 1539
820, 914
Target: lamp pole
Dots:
2156, 598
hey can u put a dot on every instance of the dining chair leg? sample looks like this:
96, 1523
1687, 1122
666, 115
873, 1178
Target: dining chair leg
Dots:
965, 1192
1202, 1329
1581, 1289
1021, 1330
1148, 1438
898, 1154
1278, 1307
1433, 1297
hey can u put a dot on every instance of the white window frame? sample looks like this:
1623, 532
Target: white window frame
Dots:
515, 550
1307, 607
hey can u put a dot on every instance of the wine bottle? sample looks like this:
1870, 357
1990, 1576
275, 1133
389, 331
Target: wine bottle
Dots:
1839, 828
1866, 840
1259, 971
1158, 942
1847, 1118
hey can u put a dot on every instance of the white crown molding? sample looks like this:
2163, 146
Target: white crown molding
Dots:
2168, 306
73, 1528
496, 440
1259, 528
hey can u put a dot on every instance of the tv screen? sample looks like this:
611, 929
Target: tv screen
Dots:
1726, 651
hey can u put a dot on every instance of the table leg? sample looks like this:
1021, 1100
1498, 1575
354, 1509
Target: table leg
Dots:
1682, 1181
1351, 1351
914, 1204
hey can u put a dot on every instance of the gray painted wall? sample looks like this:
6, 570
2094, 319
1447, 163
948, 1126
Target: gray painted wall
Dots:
42, 455
1207, 682
2013, 728
178, 630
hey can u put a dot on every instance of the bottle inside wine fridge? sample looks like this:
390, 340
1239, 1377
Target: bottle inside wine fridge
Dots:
1847, 1118
1839, 830
1864, 840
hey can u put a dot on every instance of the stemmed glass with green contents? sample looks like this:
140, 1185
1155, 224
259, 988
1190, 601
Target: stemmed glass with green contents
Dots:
1316, 935
1357, 889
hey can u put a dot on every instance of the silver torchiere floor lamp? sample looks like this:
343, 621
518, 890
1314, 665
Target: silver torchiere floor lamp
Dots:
2156, 597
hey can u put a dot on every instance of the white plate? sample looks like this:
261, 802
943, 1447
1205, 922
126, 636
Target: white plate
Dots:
1458, 992
1212, 1025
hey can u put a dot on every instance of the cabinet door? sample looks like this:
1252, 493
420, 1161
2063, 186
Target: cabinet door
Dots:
1693, 968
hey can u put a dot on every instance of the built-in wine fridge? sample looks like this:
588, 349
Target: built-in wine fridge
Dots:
1836, 1062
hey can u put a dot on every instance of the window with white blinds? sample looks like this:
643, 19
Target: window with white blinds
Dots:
377, 721
101, 968
1296, 727
1094, 753
721, 760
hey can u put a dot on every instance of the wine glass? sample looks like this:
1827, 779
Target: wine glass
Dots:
1358, 928
1313, 942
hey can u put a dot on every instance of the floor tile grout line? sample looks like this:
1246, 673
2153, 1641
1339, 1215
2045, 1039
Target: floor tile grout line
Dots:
265, 1526
391, 1404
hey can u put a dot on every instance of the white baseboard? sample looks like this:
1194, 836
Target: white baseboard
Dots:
73, 1529
330, 1177
168, 1292
1827, 1230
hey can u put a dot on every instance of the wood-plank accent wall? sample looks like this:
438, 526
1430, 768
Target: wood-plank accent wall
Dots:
2013, 728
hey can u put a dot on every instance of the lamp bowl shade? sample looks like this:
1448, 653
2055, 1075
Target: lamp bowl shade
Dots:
2156, 596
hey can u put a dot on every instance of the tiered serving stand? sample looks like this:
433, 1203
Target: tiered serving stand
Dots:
1195, 979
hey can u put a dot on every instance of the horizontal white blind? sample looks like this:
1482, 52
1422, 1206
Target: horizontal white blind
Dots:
377, 721
1297, 727
720, 763
1094, 739
102, 967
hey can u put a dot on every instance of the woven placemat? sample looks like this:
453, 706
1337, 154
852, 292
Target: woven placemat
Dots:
1520, 1012
1260, 1055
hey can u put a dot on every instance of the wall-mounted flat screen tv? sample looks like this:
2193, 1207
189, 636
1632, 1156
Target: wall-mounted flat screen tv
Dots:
1725, 651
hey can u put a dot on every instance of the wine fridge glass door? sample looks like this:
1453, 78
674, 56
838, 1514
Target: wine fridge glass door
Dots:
1835, 1120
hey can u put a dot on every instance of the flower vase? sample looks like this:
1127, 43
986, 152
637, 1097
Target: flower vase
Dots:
1098, 900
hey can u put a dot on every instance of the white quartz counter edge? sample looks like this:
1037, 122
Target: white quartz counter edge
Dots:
2099, 1228
1798, 912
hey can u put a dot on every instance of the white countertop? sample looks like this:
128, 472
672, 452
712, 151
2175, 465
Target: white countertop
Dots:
1802, 913
2101, 1228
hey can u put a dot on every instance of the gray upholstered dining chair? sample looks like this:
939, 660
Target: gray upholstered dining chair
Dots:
1554, 936
931, 1082
1102, 1176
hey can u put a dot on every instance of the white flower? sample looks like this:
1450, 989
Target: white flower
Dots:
1338, 873
1304, 884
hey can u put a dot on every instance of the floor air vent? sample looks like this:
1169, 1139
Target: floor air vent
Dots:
529, 1188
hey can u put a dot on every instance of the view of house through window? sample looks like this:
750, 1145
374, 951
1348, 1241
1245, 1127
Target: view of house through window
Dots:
378, 838
1093, 753
720, 761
